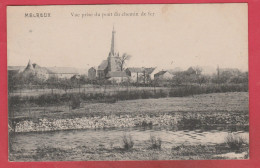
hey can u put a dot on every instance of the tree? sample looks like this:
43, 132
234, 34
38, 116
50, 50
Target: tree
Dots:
122, 61
179, 78
202, 79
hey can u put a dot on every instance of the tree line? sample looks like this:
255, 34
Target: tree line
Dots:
189, 77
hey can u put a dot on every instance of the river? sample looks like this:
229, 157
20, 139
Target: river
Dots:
170, 137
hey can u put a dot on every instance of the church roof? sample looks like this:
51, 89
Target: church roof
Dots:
103, 65
116, 74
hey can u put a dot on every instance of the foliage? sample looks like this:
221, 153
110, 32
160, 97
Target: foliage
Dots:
234, 142
178, 91
128, 142
75, 101
156, 142
121, 61
205, 89
190, 122
49, 152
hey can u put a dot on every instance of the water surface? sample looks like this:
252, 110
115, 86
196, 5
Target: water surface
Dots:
74, 138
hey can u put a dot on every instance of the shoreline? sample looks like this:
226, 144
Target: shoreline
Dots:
127, 121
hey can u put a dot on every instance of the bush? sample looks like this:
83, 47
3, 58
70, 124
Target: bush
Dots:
75, 102
47, 152
162, 93
156, 142
191, 122
234, 142
14, 101
147, 124
128, 142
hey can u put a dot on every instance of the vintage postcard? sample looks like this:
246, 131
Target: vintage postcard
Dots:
128, 82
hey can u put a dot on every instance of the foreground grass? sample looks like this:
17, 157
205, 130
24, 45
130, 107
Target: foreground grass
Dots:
102, 152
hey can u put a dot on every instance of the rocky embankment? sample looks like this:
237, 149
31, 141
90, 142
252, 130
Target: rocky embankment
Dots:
92, 123
187, 119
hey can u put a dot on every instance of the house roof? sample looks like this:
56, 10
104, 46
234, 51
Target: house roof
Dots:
103, 65
160, 73
62, 70
50, 70
92, 68
141, 70
149, 70
135, 70
15, 68
116, 74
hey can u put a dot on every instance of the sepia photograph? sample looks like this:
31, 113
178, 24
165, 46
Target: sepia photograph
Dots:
128, 82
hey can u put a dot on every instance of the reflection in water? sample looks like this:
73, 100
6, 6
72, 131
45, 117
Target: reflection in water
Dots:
170, 137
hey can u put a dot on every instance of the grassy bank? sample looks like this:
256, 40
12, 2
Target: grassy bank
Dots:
216, 102
73, 100
103, 152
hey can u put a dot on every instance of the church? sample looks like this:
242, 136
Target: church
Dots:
109, 68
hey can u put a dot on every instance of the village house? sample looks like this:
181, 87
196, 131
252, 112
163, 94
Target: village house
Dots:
134, 74
163, 76
154, 71
117, 76
139, 75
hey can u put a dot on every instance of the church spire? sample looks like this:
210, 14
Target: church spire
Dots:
113, 50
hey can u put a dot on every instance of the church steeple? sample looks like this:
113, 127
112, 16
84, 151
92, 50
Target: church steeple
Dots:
113, 50
113, 54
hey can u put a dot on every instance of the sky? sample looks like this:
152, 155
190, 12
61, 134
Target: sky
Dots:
168, 36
